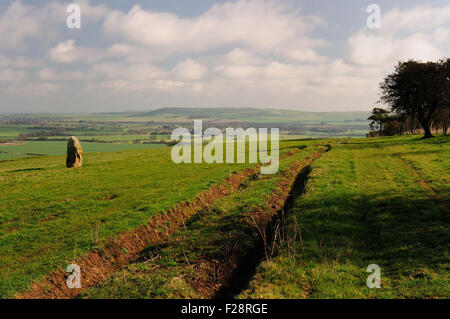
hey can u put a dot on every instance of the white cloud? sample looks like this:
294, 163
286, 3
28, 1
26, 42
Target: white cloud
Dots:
17, 24
418, 19
21, 23
281, 78
90, 13
48, 74
263, 26
31, 90
9, 75
386, 49
20, 62
120, 86
129, 72
252, 53
68, 52
23, 62
420, 33
64, 52
239, 56
189, 70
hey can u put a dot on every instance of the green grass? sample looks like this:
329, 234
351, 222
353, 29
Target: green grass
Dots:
365, 205
44, 148
130, 127
116, 138
48, 214
251, 115
174, 115
212, 234
368, 201
12, 131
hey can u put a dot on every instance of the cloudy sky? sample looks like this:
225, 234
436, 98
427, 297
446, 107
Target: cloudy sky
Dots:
141, 55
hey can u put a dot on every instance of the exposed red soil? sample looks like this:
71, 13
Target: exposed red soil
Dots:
98, 265
260, 220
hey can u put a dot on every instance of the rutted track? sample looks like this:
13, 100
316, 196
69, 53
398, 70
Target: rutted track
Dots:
218, 251
97, 265
237, 270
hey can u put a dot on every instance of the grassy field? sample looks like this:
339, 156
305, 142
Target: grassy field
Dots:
192, 262
250, 115
48, 148
115, 138
157, 125
381, 201
50, 215
378, 201
173, 115
12, 131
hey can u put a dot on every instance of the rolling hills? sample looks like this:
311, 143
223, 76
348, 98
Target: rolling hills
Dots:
252, 115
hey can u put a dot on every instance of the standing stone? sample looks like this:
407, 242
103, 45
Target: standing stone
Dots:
74, 153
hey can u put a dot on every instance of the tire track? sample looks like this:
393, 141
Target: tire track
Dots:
232, 264
99, 264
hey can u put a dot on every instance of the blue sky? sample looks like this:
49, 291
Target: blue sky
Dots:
140, 55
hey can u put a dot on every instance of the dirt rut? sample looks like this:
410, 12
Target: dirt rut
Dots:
97, 265
234, 271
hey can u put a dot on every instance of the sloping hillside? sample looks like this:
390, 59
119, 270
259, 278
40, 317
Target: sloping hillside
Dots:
383, 201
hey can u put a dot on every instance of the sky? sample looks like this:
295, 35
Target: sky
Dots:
131, 55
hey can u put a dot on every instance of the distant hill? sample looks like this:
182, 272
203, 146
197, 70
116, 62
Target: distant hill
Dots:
253, 115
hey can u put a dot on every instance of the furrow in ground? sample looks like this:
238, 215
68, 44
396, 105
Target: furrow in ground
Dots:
100, 264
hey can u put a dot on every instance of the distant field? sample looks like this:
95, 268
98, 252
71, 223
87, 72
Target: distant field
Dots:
12, 131
110, 138
251, 115
157, 125
45, 148
175, 115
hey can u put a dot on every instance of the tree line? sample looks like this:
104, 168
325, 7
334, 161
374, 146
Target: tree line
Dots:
418, 96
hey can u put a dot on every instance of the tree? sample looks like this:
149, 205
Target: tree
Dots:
417, 89
445, 107
379, 116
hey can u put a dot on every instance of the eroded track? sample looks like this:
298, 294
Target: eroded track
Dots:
99, 264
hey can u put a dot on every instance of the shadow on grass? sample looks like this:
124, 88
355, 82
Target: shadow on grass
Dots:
393, 141
299, 147
248, 261
405, 236
28, 169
